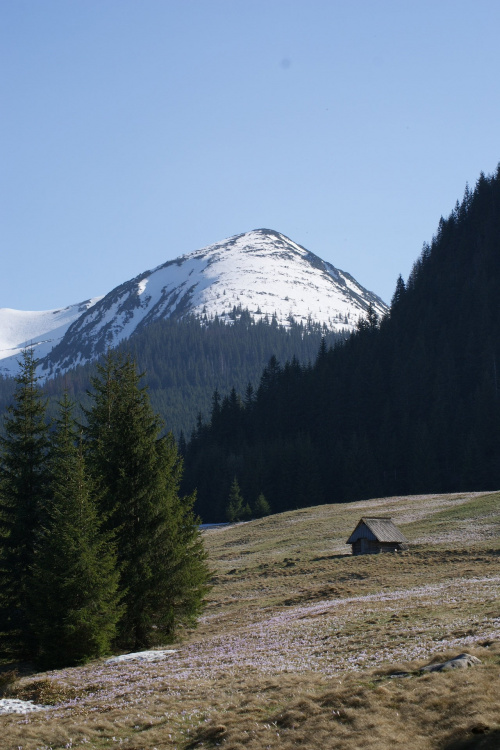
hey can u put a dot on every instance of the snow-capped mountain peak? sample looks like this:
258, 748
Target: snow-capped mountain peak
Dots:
261, 271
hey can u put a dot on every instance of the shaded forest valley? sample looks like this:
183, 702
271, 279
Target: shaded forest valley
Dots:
299, 642
407, 404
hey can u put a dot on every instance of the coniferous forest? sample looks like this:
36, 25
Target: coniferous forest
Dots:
408, 404
184, 361
97, 547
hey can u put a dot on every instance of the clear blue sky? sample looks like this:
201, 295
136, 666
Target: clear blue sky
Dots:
132, 131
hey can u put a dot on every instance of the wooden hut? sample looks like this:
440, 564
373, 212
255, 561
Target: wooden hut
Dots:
373, 535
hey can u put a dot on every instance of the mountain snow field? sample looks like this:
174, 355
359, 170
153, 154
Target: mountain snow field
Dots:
44, 329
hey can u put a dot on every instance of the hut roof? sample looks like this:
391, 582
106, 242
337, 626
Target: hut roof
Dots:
379, 529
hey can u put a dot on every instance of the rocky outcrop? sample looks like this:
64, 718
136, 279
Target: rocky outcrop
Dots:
462, 661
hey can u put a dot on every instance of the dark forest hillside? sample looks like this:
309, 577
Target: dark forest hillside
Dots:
409, 404
185, 361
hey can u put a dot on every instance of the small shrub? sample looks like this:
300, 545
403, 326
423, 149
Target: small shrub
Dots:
46, 692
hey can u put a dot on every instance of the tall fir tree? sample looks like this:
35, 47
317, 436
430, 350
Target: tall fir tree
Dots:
24, 482
160, 551
74, 600
180, 557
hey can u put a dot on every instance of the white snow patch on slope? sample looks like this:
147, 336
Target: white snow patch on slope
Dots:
16, 706
147, 656
253, 272
43, 329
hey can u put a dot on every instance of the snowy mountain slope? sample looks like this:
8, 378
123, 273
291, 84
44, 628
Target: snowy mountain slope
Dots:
43, 329
262, 271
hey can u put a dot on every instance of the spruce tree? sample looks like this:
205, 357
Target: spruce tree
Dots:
160, 552
261, 507
74, 592
235, 508
179, 558
24, 481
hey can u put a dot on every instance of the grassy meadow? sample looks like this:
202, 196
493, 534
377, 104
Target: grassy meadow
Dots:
300, 643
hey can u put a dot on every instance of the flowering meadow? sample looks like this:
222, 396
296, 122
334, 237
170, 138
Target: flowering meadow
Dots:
297, 633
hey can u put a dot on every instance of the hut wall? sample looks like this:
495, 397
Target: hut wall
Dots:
371, 547
362, 532
392, 546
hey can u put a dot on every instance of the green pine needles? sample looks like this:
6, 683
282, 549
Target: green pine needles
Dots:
97, 548
160, 554
74, 593
24, 489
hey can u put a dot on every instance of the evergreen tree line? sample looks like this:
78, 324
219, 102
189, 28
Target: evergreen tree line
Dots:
237, 509
97, 548
186, 360
408, 404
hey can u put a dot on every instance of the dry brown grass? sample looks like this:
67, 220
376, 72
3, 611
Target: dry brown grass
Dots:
299, 641
362, 712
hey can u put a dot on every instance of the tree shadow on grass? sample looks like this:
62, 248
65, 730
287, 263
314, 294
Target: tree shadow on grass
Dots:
483, 739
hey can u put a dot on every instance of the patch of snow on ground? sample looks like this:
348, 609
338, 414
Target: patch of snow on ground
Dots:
141, 656
16, 706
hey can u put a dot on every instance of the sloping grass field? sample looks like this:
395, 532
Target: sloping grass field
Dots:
300, 644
